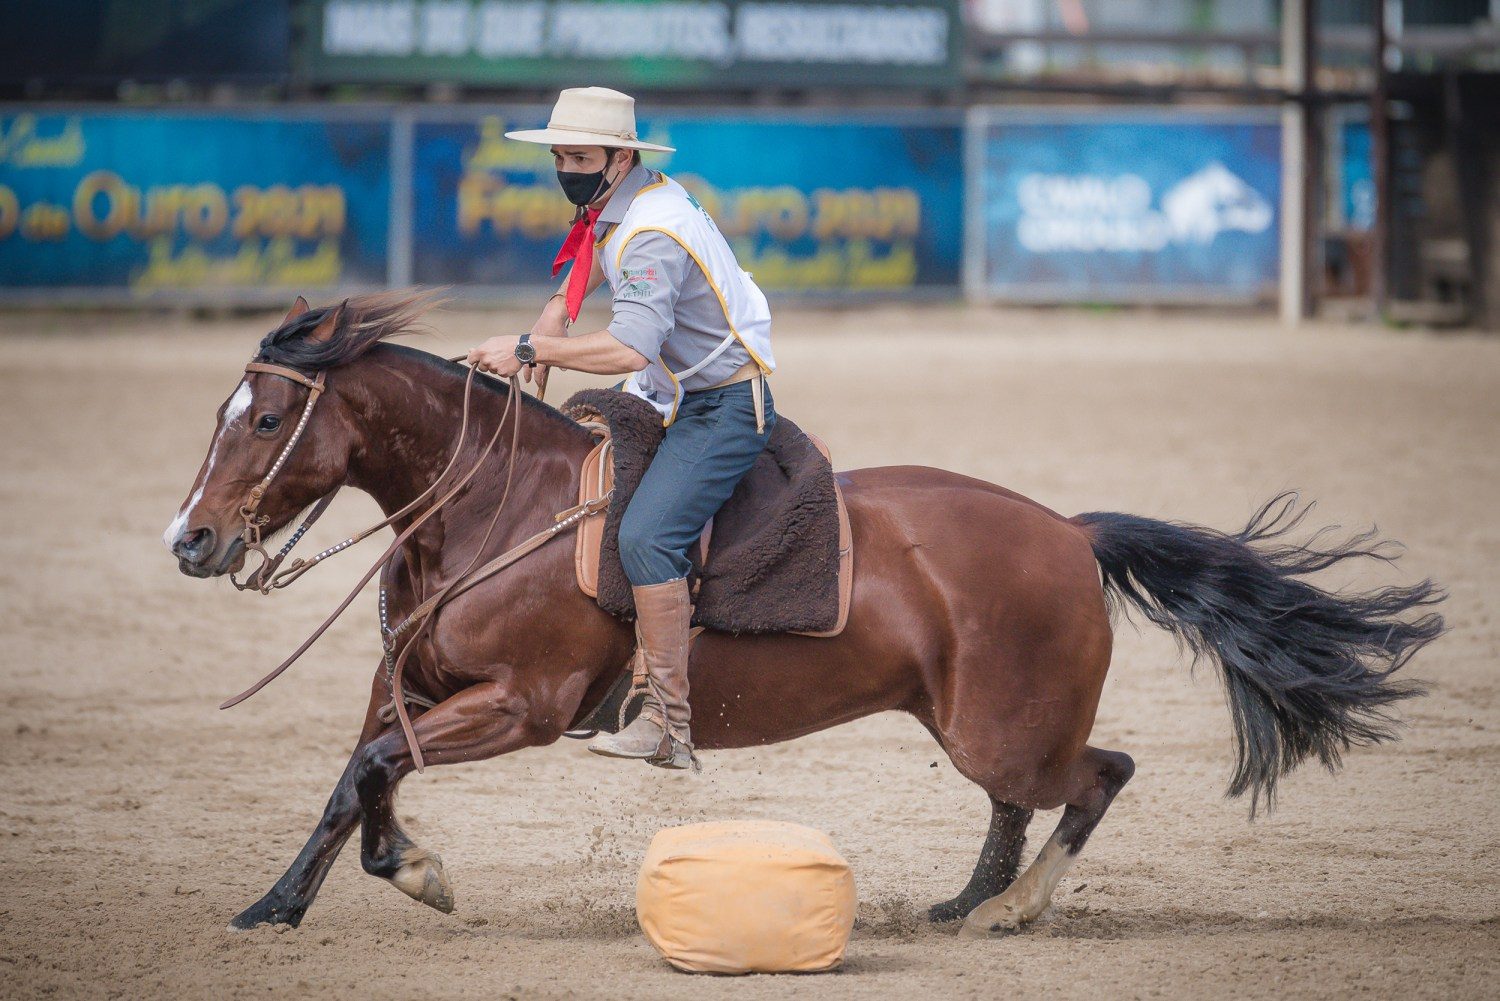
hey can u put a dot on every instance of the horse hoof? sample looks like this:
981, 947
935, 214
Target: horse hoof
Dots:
423, 879
949, 910
992, 920
264, 912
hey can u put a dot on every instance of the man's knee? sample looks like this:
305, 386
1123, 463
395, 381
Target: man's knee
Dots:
641, 552
634, 539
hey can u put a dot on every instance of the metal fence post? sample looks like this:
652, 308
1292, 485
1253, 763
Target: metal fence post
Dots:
399, 225
1296, 73
974, 267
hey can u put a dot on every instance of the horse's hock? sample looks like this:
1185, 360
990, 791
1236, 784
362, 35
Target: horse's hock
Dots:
753, 896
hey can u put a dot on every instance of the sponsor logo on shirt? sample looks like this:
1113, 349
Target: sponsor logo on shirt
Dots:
637, 283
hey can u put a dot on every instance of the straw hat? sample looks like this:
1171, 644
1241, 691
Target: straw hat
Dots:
590, 116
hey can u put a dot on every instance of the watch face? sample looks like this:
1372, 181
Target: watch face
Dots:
526, 353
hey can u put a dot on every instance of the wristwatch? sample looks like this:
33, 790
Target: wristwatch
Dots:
526, 351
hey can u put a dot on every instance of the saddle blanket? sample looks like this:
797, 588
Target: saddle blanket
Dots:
778, 557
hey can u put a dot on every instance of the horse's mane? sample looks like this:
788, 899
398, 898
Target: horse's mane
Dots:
363, 321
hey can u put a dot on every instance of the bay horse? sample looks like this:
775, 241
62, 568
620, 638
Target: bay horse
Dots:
981, 613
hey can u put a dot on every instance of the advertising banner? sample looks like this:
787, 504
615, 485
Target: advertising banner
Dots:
1356, 166
809, 205
633, 43
175, 202
1124, 206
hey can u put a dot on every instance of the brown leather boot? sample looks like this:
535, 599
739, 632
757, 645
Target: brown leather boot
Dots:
660, 734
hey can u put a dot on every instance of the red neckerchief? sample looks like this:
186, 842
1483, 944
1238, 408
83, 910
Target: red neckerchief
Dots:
578, 248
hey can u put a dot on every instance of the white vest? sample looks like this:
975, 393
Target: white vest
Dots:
666, 207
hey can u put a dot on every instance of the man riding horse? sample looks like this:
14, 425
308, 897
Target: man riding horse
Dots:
693, 333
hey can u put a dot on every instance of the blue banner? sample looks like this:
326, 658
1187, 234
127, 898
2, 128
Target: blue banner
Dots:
807, 205
1129, 207
171, 202
1357, 175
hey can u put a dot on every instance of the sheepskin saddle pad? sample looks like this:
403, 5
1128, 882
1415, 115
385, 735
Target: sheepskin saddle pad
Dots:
778, 557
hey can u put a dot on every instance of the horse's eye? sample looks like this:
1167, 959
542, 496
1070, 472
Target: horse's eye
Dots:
270, 422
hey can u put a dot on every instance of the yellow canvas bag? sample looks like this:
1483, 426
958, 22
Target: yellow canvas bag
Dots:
750, 896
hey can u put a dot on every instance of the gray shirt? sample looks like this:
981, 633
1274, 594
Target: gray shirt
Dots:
673, 313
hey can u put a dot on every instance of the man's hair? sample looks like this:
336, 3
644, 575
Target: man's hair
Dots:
635, 154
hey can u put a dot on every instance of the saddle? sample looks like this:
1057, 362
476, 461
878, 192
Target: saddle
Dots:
779, 555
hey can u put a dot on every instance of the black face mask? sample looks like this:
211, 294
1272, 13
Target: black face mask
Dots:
584, 189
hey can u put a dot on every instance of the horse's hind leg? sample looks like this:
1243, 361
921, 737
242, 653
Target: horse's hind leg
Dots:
1097, 777
479, 722
998, 861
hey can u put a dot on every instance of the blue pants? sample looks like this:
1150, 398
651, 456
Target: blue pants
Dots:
708, 449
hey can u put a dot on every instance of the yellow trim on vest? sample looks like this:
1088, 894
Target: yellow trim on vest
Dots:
666, 421
614, 225
723, 305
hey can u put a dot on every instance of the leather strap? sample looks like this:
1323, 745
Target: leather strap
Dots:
513, 409
563, 522
266, 577
286, 373
252, 522
400, 539
758, 394
749, 370
421, 619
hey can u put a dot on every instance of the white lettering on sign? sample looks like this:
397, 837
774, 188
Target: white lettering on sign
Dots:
623, 30
703, 30
841, 33
1060, 194
511, 29
446, 28
1050, 234
1088, 212
369, 28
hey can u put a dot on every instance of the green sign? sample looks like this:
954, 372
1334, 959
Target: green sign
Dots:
643, 43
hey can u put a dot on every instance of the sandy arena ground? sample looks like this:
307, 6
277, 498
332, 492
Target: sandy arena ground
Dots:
135, 819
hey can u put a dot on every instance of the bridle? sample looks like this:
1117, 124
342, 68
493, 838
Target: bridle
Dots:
267, 577
264, 577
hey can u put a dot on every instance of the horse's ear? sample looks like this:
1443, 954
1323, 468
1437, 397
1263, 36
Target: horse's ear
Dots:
324, 331
298, 308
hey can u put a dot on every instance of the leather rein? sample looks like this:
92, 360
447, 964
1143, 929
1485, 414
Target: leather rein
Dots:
268, 576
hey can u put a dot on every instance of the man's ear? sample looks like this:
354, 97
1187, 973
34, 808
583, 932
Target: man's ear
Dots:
324, 331
298, 308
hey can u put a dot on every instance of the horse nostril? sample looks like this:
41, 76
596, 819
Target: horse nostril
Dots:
194, 544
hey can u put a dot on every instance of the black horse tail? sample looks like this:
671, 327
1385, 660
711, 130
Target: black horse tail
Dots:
1307, 671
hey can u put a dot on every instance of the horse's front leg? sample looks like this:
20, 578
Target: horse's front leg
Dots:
293, 893
479, 722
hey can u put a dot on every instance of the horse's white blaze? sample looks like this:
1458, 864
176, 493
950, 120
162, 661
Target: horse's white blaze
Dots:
169, 537
238, 405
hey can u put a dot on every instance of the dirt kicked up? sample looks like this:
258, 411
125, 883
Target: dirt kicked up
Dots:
136, 819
